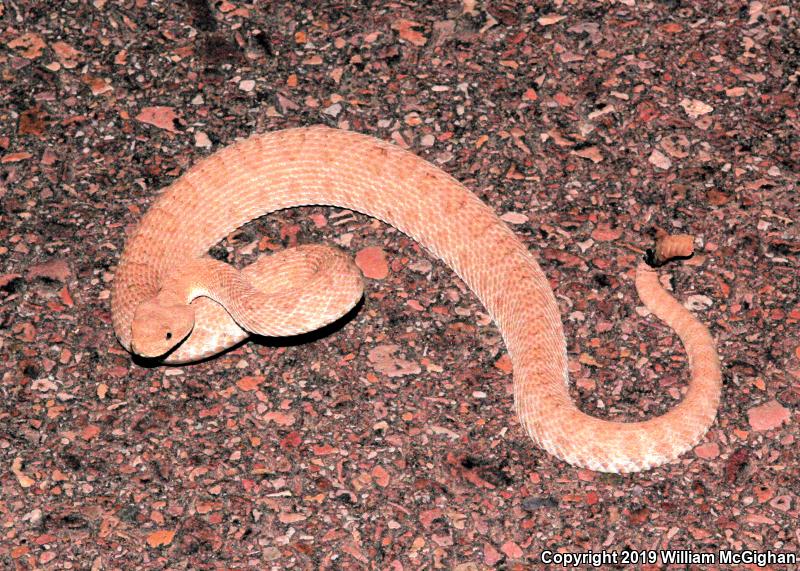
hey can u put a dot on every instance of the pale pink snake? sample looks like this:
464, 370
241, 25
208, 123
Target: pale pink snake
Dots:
318, 165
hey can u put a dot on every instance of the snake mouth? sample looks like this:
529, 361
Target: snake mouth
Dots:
150, 350
156, 351
145, 354
154, 356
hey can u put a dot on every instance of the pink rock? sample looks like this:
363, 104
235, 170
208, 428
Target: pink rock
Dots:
768, 415
604, 233
372, 262
6, 279
383, 359
56, 270
319, 220
427, 516
159, 116
511, 549
707, 451
490, 554
783, 503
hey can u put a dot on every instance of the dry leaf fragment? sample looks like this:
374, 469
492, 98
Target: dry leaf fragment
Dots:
161, 537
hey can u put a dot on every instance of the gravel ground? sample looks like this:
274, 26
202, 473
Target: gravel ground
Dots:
390, 442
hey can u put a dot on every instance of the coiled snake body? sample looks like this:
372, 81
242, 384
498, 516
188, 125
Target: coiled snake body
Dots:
170, 299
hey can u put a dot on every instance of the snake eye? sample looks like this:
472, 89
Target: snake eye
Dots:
168, 336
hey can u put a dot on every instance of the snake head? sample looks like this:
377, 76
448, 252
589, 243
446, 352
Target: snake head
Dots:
157, 327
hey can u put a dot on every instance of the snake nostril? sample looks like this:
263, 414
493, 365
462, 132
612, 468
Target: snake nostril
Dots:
168, 336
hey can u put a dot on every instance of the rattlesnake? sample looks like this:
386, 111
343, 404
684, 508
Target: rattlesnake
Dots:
164, 266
